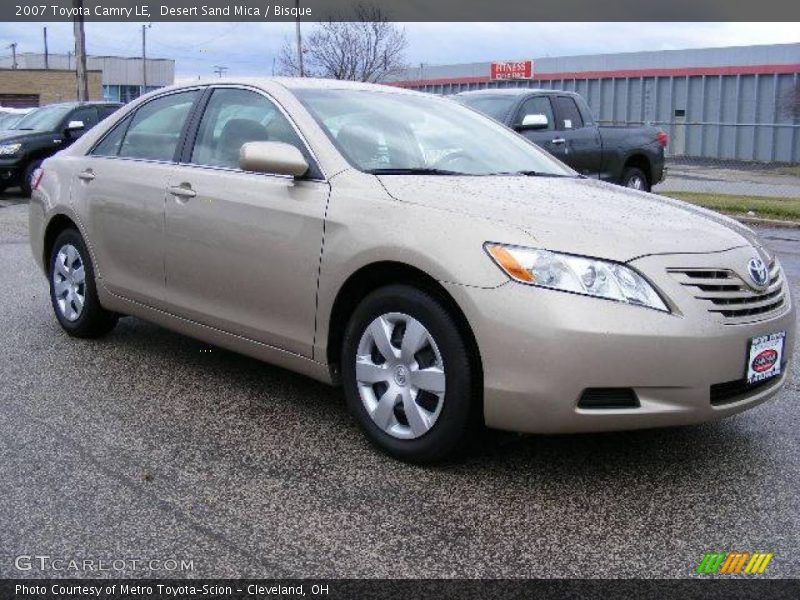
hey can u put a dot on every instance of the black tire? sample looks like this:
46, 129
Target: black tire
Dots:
3, 188
451, 431
632, 175
27, 175
93, 320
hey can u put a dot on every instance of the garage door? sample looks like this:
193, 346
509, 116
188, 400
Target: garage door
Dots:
19, 100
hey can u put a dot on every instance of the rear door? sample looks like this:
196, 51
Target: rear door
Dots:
122, 186
242, 248
580, 140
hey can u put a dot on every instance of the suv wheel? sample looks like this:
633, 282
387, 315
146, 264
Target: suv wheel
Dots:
27, 177
72, 289
407, 375
635, 179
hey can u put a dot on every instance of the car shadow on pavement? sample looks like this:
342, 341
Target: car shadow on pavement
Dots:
248, 390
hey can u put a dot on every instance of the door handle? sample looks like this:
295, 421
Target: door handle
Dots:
558, 141
87, 175
182, 191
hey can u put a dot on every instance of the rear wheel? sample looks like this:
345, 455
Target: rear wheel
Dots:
635, 179
407, 375
72, 289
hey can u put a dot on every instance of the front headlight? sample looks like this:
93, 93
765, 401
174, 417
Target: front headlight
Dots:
576, 274
9, 149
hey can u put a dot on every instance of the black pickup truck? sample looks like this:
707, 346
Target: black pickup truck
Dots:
561, 123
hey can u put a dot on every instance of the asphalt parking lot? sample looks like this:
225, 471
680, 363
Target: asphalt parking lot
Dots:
728, 177
149, 445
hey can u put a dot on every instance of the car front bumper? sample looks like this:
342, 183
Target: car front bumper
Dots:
9, 172
540, 349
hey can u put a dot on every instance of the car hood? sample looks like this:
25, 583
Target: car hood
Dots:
9, 135
577, 215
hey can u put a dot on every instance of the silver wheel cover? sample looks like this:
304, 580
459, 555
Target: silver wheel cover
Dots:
69, 282
400, 376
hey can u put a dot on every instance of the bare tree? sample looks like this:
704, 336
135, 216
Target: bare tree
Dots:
369, 48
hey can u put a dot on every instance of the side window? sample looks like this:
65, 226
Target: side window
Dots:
234, 117
156, 127
113, 140
538, 105
568, 114
106, 111
86, 114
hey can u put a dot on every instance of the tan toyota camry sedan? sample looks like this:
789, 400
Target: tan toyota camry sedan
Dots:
445, 271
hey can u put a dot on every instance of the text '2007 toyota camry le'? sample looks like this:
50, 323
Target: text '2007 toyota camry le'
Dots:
445, 271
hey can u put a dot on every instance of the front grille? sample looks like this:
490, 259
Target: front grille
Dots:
728, 295
731, 391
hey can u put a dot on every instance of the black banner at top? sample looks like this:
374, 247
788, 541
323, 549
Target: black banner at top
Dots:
403, 10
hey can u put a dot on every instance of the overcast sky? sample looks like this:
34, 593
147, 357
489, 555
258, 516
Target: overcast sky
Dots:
249, 48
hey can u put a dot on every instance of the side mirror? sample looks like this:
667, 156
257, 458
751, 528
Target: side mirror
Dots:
273, 158
537, 121
74, 129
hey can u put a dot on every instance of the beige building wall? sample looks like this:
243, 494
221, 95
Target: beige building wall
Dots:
46, 86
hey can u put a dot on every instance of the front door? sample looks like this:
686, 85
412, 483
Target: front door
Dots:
243, 249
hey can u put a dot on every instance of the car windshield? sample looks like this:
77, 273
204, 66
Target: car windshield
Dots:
398, 133
8, 120
496, 106
44, 119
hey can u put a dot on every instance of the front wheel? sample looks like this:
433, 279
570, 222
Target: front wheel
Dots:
407, 375
635, 179
26, 185
72, 289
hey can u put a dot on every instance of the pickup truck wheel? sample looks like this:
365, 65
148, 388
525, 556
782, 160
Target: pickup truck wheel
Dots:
407, 375
635, 179
72, 289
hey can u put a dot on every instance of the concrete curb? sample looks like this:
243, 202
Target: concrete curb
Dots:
767, 222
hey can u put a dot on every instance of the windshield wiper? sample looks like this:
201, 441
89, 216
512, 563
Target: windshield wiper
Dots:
413, 171
530, 174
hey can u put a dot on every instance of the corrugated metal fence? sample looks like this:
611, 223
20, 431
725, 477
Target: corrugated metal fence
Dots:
725, 116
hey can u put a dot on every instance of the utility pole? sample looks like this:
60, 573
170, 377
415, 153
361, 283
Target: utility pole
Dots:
46, 53
220, 70
80, 51
13, 47
144, 56
299, 41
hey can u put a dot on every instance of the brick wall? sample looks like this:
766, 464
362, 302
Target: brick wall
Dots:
49, 86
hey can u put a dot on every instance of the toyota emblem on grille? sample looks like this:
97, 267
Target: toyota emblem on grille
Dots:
758, 272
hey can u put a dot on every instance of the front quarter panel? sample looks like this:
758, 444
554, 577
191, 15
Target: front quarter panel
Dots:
365, 225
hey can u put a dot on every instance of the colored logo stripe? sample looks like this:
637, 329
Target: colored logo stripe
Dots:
732, 563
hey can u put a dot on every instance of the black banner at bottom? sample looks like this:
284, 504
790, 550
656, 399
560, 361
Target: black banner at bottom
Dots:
336, 589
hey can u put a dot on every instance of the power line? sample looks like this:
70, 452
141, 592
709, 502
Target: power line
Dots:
220, 70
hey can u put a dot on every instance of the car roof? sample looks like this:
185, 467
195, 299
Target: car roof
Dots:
82, 103
519, 91
299, 83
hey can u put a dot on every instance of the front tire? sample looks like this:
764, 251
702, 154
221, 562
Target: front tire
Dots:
635, 179
27, 178
73, 293
407, 375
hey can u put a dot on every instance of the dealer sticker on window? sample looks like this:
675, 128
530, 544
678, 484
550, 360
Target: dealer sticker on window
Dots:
766, 356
